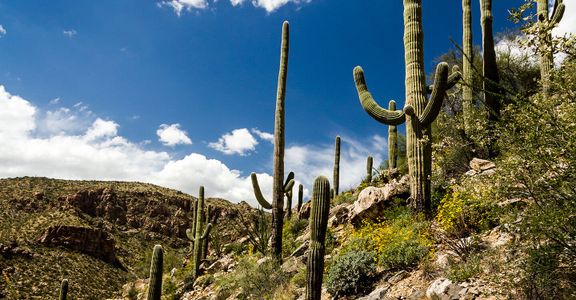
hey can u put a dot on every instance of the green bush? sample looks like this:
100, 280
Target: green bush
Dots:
292, 228
351, 273
403, 255
464, 270
255, 281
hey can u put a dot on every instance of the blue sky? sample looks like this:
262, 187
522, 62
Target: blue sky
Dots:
182, 92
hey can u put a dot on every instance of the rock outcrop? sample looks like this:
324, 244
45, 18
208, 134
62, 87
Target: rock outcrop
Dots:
91, 241
372, 201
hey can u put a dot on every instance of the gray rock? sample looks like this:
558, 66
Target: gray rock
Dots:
378, 294
443, 289
372, 201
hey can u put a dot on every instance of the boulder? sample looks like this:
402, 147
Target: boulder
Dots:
481, 165
304, 213
92, 241
372, 201
443, 289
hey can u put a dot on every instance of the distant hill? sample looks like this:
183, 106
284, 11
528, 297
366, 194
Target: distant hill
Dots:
98, 234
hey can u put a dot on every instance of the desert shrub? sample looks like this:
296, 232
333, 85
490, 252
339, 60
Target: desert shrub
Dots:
461, 213
351, 273
348, 197
256, 228
291, 230
254, 280
399, 242
463, 270
403, 255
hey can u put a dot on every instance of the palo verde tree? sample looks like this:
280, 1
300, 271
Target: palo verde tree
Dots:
419, 111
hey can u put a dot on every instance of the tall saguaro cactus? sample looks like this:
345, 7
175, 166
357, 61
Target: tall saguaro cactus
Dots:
64, 289
419, 112
369, 162
546, 23
392, 140
467, 59
318, 224
490, 68
155, 282
336, 177
277, 204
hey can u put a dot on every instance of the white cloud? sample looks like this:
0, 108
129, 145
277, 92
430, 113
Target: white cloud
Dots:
171, 135
239, 141
99, 153
2, 31
189, 5
69, 33
263, 135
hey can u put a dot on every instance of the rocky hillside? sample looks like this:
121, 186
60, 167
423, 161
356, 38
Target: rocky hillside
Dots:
97, 234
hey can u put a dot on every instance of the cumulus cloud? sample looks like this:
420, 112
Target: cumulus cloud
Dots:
172, 135
239, 141
97, 152
2, 31
263, 135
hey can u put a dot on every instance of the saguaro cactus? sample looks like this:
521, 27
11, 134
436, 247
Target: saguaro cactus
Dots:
467, 59
419, 112
300, 197
369, 162
64, 289
336, 179
392, 140
546, 23
318, 224
206, 240
277, 204
155, 282
289, 204
198, 237
490, 68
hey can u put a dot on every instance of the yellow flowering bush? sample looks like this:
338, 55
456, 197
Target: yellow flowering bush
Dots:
399, 242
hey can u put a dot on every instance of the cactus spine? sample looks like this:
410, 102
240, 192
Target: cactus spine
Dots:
546, 23
64, 289
392, 140
155, 282
336, 166
300, 197
369, 162
318, 224
467, 59
419, 112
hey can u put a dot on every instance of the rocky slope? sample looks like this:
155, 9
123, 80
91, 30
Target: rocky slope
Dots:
97, 234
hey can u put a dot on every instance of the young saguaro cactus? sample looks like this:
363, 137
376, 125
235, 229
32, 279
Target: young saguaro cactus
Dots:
289, 204
336, 179
392, 140
64, 289
155, 282
419, 111
277, 204
369, 162
546, 23
318, 224
490, 68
